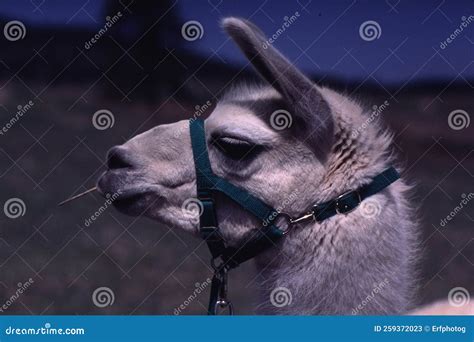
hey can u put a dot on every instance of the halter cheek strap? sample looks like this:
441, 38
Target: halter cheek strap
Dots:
224, 257
257, 240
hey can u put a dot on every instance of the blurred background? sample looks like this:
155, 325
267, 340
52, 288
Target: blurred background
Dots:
137, 64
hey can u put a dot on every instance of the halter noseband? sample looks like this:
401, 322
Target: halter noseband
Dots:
224, 257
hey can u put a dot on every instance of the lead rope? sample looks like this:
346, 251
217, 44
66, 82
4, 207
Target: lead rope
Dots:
209, 231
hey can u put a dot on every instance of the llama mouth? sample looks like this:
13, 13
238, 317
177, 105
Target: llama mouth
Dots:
131, 201
130, 204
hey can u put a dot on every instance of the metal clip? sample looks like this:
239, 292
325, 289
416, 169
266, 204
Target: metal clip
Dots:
290, 221
303, 218
222, 301
224, 305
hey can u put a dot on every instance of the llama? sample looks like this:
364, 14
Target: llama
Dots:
361, 262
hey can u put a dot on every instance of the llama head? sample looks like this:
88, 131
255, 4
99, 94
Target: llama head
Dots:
267, 139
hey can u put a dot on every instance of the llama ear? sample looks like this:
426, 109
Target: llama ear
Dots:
311, 111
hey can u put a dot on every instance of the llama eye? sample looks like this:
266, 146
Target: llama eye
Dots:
236, 149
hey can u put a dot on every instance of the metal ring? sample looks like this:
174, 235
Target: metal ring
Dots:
218, 264
288, 220
214, 265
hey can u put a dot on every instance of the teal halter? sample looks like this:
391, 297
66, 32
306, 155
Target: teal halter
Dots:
224, 257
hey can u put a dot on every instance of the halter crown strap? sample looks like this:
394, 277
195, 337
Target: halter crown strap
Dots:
348, 201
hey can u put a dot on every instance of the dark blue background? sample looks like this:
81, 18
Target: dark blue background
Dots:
407, 49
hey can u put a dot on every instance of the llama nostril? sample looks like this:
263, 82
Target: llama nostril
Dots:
118, 158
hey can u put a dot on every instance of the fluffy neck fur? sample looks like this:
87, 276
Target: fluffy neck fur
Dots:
358, 263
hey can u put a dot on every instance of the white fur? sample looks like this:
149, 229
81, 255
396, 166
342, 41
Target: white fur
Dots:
333, 267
